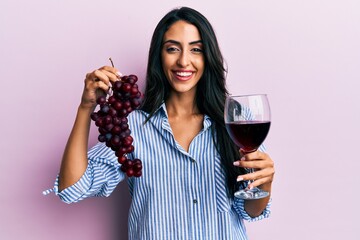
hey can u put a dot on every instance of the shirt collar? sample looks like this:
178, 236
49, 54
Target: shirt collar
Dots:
206, 123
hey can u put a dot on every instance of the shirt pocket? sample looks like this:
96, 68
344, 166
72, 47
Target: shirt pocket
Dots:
222, 199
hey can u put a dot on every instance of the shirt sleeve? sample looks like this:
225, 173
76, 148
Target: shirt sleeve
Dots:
238, 205
101, 177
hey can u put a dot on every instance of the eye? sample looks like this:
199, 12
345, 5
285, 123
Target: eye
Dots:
172, 49
197, 50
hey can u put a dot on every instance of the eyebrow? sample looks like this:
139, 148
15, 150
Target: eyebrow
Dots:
178, 43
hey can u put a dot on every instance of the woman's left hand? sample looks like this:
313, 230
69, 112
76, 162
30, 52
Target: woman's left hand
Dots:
263, 166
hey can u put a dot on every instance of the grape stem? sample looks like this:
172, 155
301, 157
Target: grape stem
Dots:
112, 64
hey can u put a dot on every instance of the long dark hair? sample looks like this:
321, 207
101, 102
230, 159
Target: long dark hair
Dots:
211, 90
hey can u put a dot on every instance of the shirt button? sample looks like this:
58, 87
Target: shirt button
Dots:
195, 201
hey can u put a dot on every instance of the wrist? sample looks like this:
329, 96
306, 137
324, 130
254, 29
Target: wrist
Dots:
265, 187
86, 108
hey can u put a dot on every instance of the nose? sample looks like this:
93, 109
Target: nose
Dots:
184, 59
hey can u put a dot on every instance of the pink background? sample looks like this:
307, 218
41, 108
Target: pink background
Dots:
304, 54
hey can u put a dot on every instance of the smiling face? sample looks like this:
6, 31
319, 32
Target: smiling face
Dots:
182, 57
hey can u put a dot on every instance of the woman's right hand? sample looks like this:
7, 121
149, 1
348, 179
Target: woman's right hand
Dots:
98, 83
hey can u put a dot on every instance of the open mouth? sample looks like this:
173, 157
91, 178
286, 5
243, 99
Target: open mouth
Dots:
183, 75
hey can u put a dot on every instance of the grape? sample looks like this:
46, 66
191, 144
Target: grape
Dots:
127, 132
101, 100
128, 163
111, 100
137, 166
127, 104
126, 142
94, 116
124, 78
102, 131
135, 102
124, 126
126, 87
130, 172
121, 151
133, 77
117, 105
99, 122
109, 126
122, 159
116, 121
112, 112
124, 120
136, 160
111, 120
115, 140
108, 136
104, 109
116, 130
117, 86
138, 174
123, 135
118, 95
123, 168
102, 138
134, 91
107, 120
130, 149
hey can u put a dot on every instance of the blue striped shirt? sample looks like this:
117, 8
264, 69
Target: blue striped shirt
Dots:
181, 195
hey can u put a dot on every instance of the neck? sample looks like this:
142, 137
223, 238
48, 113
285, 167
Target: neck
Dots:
181, 104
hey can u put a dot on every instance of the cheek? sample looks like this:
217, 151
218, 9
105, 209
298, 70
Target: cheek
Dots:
165, 62
200, 65
164, 65
165, 70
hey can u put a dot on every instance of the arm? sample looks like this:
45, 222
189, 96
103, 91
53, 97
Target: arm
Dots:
255, 207
74, 161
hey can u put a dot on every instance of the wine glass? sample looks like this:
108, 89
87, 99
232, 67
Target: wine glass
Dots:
247, 120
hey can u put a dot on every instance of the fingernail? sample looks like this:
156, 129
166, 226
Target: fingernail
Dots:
239, 179
242, 159
119, 74
236, 163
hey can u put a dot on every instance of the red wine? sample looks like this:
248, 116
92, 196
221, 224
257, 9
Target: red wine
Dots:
248, 135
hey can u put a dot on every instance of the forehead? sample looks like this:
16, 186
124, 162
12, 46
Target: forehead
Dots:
182, 31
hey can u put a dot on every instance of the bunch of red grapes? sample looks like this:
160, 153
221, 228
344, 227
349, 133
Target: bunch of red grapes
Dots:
111, 120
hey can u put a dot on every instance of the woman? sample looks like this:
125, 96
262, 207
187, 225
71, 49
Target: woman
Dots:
189, 177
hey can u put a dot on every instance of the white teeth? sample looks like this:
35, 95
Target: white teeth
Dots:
184, 74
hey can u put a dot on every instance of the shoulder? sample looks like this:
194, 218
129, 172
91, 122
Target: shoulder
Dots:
137, 115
